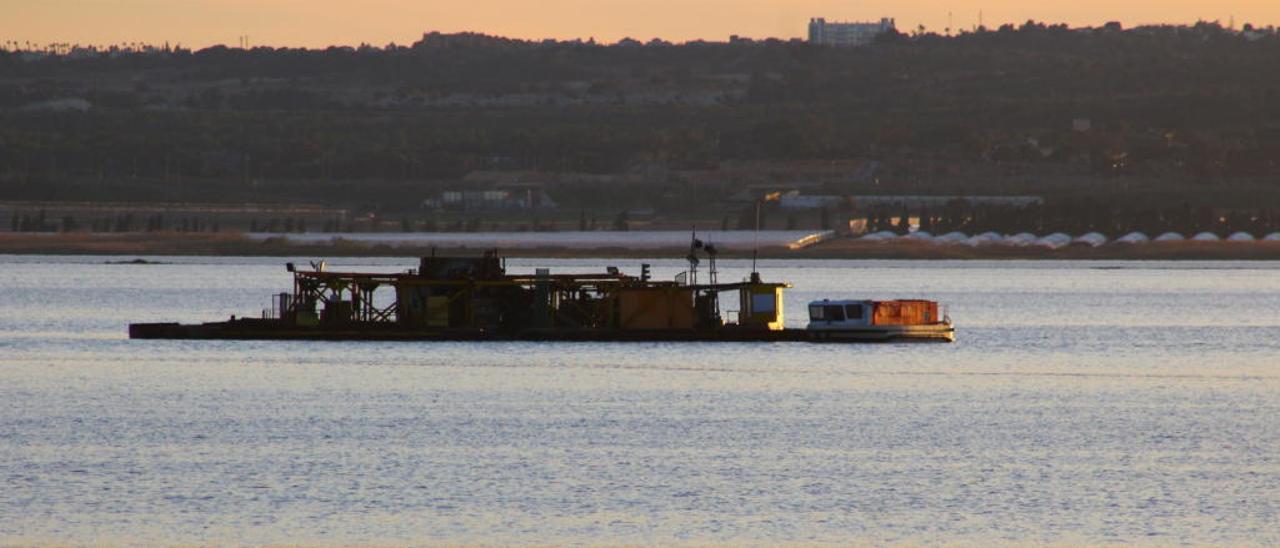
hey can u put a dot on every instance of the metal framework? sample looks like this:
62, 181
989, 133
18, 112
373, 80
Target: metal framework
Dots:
574, 301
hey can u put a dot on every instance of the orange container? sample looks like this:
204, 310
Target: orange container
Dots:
904, 313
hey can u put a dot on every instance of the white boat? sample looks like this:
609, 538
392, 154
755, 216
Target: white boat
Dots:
861, 320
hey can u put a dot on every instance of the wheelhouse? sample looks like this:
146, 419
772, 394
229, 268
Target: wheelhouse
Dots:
838, 313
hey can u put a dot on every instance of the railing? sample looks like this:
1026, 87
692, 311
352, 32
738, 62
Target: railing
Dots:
281, 304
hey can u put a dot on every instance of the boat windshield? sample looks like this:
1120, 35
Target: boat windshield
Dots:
854, 311
826, 313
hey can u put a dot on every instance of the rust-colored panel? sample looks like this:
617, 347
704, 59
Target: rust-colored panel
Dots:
904, 313
655, 309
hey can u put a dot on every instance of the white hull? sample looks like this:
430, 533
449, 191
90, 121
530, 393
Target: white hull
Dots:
937, 332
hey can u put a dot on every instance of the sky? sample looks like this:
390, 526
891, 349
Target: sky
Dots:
318, 23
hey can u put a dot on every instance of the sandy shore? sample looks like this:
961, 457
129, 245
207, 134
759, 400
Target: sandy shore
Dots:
137, 244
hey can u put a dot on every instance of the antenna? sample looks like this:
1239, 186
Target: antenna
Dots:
755, 248
711, 255
755, 245
694, 245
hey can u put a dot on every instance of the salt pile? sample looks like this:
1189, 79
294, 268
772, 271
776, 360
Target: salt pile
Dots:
985, 238
1092, 239
1054, 241
1021, 239
1133, 238
882, 236
952, 238
1059, 240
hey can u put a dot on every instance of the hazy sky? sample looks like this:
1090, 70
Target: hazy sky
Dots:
199, 23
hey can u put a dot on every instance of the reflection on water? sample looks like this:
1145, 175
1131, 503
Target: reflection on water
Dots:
1107, 402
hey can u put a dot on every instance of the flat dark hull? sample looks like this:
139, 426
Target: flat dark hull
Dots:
250, 329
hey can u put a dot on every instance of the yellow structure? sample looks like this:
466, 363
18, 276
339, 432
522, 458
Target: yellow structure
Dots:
761, 306
655, 308
437, 312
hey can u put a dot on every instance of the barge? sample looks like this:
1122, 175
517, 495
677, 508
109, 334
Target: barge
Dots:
475, 299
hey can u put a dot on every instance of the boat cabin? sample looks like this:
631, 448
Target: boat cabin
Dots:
833, 315
828, 314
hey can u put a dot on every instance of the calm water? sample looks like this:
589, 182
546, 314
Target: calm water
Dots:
1083, 403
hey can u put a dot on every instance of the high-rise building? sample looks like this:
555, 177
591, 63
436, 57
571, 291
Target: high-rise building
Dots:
847, 34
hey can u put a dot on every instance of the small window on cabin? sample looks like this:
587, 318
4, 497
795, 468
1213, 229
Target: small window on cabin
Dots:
763, 303
817, 313
835, 313
853, 311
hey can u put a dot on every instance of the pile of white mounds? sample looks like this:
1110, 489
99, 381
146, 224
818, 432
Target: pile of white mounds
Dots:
1059, 240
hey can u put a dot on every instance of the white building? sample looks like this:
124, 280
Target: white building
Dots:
847, 34
510, 196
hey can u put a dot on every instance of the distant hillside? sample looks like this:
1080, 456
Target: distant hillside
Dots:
1172, 114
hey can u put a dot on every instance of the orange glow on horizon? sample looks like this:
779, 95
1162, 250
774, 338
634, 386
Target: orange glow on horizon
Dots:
319, 23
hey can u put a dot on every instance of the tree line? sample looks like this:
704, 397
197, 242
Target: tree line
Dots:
372, 127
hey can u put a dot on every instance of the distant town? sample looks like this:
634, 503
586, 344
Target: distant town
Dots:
860, 128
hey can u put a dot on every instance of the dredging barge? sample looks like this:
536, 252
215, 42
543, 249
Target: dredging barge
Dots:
474, 299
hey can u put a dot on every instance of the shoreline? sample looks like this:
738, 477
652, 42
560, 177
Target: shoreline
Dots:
187, 244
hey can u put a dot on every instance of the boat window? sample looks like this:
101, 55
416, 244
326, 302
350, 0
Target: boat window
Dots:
816, 312
763, 303
854, 311
835, 313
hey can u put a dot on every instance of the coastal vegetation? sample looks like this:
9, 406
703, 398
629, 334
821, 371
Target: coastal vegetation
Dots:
1116, 129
